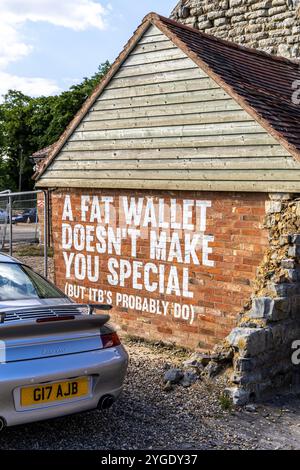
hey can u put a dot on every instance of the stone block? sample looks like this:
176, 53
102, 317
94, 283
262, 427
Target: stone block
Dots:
264, 4
277, 10
293, 275
284, 289
273, 207
185, 12
205, 24
235, 3
280, 196
249, 342
173, 376
294, 251
296, 30
288, 263
281, 16
270, 220
284, 240
295, 239
238, 396
271, 309
283, 50
277, 3
234, 12
253, 28
251, 378
244, 365
213, 15
220, 22
197, 361
256, 14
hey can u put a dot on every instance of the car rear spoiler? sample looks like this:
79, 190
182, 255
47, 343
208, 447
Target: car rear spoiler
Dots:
63, 322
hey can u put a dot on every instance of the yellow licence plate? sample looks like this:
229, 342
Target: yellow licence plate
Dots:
55, 392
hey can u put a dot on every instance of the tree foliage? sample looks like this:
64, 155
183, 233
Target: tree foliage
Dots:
28, 124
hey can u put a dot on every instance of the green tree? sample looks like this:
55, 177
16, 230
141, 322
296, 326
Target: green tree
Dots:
28, 124
14, 136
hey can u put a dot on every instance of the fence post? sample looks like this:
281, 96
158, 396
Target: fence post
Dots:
45, 233
8, 193
10, 225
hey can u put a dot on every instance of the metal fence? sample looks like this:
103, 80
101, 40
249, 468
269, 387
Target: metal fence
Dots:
4, 209
24, 220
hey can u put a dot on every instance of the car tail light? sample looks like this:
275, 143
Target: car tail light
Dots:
53, 319
111, 340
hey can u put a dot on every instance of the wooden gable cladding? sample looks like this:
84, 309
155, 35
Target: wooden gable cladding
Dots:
162, 123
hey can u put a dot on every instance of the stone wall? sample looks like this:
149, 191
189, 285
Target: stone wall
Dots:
269, 25
262, 343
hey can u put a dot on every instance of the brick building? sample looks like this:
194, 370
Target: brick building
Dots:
160, 185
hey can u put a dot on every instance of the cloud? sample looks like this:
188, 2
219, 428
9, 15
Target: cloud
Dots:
75, 14
30, 86
78, 15
11, 46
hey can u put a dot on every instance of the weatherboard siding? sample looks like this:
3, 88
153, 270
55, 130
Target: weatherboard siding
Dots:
162, 123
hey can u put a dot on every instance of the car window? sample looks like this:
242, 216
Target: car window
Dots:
19, 282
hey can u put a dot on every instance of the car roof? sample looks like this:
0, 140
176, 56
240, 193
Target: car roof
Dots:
8, 259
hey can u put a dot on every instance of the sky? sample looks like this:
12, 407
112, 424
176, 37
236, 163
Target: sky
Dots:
48, 45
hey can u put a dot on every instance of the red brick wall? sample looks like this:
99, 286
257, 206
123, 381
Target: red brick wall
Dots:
206, 293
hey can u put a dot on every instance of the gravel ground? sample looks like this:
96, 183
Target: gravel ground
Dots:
148, 417
37, 263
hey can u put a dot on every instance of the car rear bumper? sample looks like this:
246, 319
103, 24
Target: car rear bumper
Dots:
106, 368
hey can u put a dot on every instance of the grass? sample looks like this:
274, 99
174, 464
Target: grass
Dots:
225, 402
32, 250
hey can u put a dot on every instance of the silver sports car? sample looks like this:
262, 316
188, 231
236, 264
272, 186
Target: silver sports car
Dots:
56, 357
